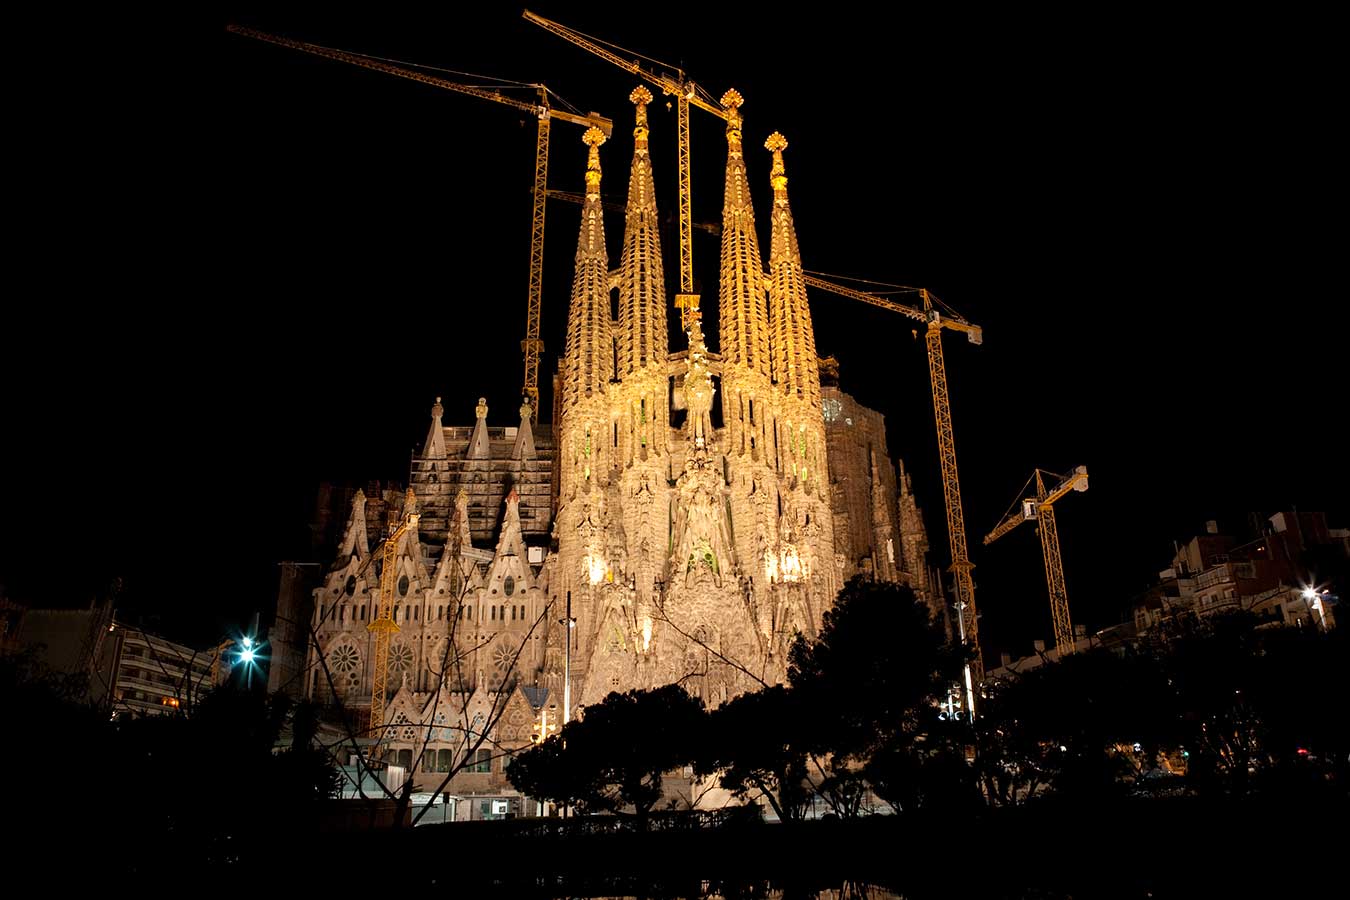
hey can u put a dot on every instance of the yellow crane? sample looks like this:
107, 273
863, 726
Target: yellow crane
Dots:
1041, 507
936, 321
383, 624
672, 82
533, 345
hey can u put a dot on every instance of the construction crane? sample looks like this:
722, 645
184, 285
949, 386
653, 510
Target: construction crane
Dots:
951, 483
383, 624
1041, 508
533, 345
672, 82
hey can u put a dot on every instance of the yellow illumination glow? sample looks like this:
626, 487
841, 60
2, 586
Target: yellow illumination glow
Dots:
595, 569
646, 633
791, 566
770, 566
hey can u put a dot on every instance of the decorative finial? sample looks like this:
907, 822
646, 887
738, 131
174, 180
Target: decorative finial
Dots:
437, 410
481, 408
526, 411
731, 102
778, 176
462, 497
593, 138
640, 98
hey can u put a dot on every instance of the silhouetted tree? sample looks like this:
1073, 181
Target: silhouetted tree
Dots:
926, 768
864, 683
1260, 703
1075, 722
878, 660
758, 743
614, 757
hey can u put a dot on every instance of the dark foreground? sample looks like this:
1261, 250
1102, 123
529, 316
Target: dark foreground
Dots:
1177, 847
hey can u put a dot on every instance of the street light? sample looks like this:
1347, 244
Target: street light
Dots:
250, 657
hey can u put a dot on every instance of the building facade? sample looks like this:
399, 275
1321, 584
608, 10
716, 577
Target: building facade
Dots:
688, 513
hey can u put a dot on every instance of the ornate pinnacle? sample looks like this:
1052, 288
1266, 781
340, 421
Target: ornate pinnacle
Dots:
640, 98
437, 410
481, 408
778, 176
593, 138
731, 102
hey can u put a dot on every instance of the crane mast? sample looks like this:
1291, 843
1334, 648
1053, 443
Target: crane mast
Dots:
383, 625
685, 93
1042, 509
951, 481
533, 346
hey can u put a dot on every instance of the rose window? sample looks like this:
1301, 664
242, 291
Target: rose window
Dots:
346, 662
400, 658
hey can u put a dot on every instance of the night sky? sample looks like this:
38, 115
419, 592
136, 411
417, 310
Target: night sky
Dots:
251, 270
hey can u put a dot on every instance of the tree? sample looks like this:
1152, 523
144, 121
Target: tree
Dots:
878, 660
758, 743
1075, 724
925, 768
613, 758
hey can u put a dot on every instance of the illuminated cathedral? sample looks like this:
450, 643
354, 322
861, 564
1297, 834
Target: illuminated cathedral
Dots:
693, 511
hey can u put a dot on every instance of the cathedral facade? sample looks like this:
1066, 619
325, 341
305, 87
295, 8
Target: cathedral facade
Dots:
686, 515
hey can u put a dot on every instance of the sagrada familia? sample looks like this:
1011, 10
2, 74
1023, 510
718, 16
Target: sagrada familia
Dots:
685, 515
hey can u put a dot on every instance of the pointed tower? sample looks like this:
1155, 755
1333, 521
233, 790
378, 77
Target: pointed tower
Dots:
743, 317
589, 363
642, 293
433, 448
523, 449
587, 425
642, 343
748, 398
795, 365
743, 329
799, 429
355, 541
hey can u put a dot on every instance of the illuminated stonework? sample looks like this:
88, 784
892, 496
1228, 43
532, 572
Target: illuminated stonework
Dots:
696, 509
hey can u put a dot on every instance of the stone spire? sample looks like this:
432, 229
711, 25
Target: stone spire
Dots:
589, 361
479, 445
434, 446
795, 366
355, 542
524, 446
642, 294
743, 318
